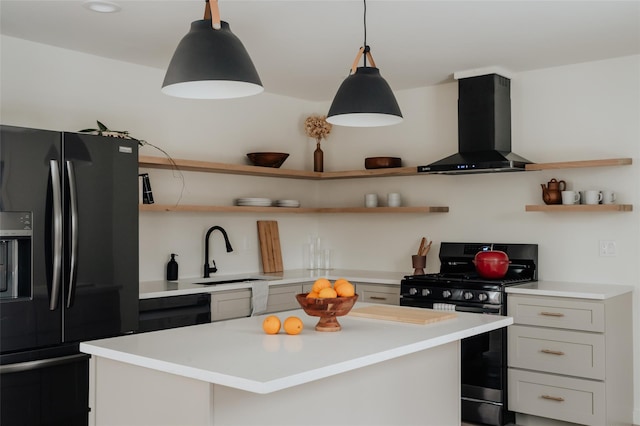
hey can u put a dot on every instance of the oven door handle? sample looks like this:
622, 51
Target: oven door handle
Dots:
459, 306
484, 309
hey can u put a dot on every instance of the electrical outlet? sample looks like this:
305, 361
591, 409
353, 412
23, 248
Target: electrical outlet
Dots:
608, 248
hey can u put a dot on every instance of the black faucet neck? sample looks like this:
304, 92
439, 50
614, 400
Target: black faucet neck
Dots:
207, 269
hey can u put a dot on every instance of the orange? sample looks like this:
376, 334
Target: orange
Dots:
327, 293
320, 284
293, 325
312, 295
271, 324
346, 290
339, 282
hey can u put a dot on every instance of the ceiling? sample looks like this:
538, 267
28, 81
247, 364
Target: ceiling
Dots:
304, 48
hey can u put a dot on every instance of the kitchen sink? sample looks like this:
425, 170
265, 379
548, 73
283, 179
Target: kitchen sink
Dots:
236, 280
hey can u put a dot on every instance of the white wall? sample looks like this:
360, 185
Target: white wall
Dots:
578, 112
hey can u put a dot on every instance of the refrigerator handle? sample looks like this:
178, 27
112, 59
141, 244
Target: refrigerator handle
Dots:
73, 202
57, 234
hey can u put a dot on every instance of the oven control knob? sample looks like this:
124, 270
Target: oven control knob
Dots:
446, 294
482, 297
468, 295
412, 291
426, 292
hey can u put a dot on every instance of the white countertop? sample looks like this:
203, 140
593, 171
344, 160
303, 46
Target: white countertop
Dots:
238, 354
567, 289
162, 288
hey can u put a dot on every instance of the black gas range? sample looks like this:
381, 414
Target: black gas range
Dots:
458, 287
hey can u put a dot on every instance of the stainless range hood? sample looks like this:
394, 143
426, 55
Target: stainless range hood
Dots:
484, 129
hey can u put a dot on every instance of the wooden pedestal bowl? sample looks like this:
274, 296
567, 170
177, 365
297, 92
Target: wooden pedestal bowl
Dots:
327, 309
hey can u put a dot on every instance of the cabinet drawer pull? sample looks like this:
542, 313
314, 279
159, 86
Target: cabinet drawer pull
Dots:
552, 398
377, 298
552, 314
551, 352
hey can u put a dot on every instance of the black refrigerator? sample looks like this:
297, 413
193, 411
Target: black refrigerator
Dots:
68, 266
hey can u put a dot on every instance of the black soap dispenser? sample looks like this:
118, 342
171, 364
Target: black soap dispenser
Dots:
172, 268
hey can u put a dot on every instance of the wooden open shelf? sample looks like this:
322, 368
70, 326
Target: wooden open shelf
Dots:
579, 164
241, 169
246, 209
580, 208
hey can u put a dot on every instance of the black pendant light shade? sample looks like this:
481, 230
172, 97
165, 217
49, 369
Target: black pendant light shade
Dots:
211, 64
364, 99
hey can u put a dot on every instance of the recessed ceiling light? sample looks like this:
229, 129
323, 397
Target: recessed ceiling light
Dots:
101, 6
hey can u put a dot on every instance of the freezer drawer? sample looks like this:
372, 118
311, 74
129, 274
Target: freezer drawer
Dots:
45, 392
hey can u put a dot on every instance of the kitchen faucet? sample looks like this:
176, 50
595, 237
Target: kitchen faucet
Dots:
214, 269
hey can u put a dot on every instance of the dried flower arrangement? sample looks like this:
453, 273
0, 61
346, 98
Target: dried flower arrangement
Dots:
317, 127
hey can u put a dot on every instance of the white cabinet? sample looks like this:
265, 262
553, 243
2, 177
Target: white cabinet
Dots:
570, 359
283, 297
230, 304
388, 294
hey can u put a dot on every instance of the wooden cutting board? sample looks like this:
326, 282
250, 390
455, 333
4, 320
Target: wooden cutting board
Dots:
402, 314
270, 251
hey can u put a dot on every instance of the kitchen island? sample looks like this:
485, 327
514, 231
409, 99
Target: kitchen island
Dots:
230, 372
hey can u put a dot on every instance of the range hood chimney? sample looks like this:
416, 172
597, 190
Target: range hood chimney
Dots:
484, 129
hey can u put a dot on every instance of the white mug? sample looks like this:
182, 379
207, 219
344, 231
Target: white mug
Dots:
393, 199
593, 197
371, 200
570, 197
608, 197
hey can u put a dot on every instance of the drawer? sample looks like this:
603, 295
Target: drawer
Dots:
230, 304
378, 293
283, 297
572, 353
556, 312
563, 398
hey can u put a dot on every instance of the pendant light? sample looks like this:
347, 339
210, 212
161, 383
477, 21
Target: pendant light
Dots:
364, 98
210, 62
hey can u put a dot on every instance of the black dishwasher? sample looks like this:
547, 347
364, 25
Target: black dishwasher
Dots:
174, 311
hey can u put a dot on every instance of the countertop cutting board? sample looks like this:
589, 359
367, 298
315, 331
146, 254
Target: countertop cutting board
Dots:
402, 314
270, 251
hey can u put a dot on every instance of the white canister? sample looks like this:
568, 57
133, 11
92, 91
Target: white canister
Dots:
371, 200
394, 200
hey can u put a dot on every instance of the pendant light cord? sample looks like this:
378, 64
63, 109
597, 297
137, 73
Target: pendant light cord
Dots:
366, 48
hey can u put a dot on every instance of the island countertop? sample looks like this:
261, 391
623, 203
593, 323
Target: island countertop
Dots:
238, 354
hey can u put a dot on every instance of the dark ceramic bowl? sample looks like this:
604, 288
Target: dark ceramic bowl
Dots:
267, 159
382, 162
